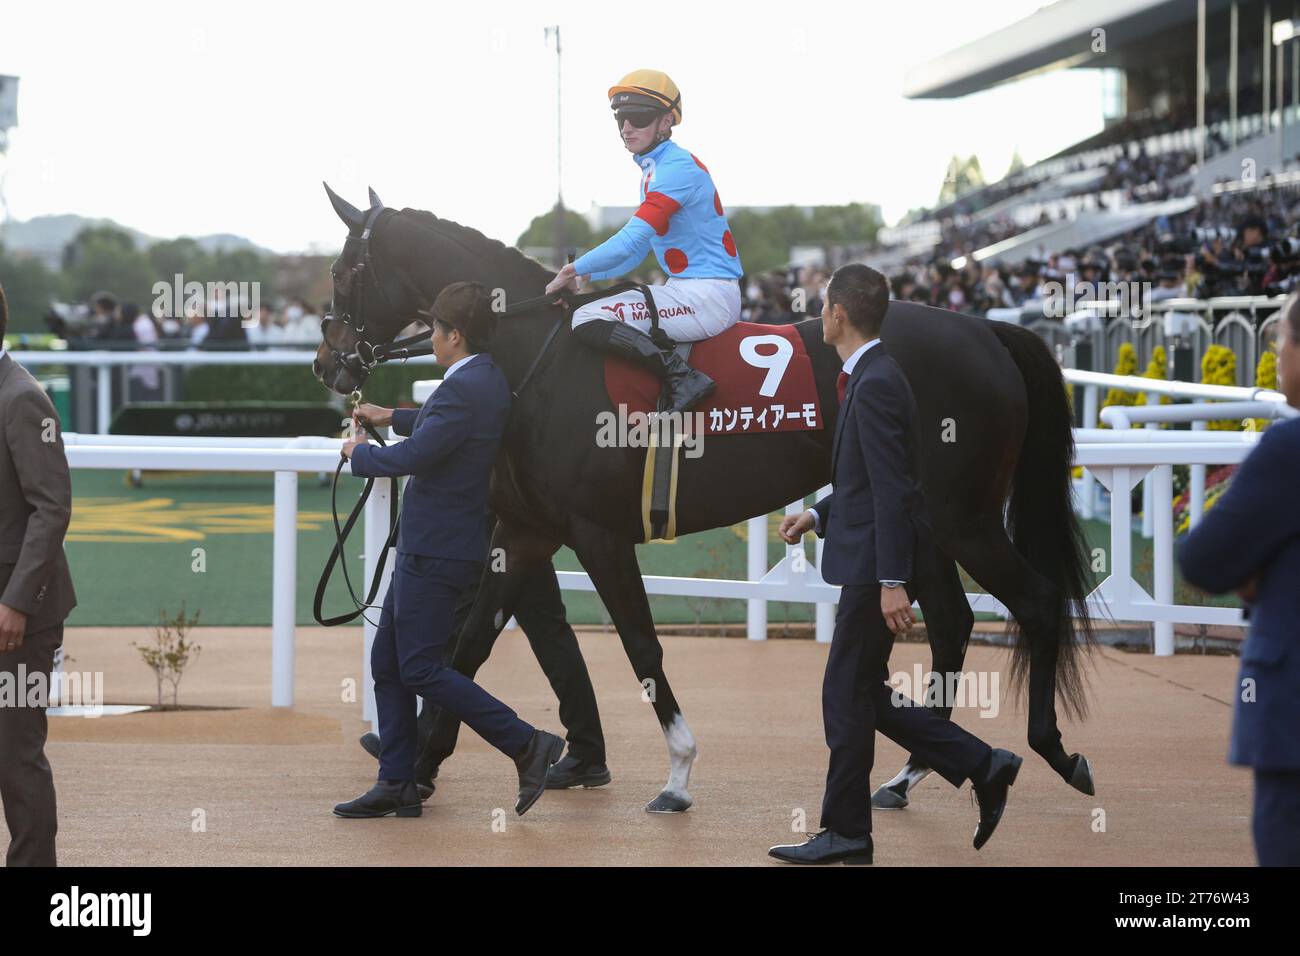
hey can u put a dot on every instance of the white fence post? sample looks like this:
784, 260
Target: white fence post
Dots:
756, 551
1148, 492
376, 532
104, 398
1088, 497
284, 588
1121, 535
1161, 480
825, 611
1196, 500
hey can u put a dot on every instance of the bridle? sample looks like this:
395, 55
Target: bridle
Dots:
366, 356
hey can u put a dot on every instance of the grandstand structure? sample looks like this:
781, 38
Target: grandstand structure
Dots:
1200, 139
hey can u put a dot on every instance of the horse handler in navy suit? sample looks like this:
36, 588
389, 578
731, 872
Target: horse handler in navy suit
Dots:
449, 455
870, 522
1250, 543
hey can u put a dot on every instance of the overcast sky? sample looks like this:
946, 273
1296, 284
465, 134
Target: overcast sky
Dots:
198, 117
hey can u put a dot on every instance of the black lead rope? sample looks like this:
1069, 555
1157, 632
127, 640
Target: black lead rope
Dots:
340, 541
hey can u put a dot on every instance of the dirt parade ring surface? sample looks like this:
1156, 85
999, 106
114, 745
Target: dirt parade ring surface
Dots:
242, 783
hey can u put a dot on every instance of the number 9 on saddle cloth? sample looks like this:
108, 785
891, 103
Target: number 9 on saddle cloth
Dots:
643, 325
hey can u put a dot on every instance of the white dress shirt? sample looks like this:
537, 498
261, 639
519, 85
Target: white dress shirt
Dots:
853, 359
457, 364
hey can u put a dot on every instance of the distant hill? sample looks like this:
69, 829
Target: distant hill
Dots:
45, 237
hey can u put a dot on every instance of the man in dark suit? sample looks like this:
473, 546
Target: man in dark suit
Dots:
449, 455
1249, 542
870, 522
540, 611
36, 594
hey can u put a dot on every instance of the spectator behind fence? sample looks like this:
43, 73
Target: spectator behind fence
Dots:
144, 381
1250, 543
103, 307
301, 324
269, 330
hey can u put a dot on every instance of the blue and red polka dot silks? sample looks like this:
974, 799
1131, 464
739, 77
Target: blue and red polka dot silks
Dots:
680, 218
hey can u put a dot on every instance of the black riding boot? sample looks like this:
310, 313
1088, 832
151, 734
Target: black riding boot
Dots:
686, 385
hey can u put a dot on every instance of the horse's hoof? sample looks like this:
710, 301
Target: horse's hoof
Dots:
890, 797
669, 803
1081, 778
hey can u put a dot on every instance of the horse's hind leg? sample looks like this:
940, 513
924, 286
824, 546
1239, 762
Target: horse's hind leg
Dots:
948, 624
985, 551
612, 566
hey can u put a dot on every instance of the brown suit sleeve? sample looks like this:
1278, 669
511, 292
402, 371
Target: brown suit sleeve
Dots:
45, 484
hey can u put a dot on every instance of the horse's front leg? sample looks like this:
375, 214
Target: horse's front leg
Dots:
611, 564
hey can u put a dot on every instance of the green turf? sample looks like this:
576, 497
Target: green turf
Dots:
132, 554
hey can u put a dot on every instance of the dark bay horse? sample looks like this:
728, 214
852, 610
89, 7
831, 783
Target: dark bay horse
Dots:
996, 452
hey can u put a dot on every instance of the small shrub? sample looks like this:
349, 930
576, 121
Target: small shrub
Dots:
171, 652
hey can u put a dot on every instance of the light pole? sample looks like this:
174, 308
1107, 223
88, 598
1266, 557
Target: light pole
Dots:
1284, 31
8, 120
561, 234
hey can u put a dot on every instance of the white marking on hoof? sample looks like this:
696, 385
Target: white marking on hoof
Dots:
893, 795
682, 752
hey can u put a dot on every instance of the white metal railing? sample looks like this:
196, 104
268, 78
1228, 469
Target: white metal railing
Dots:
1117, 462
103, 360
1117, 459
1119, 467
1092, 382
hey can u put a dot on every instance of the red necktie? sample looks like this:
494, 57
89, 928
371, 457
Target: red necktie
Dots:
841, 384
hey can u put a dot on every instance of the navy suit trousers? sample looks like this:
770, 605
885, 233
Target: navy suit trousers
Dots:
408, 660
857, 701
1276, 821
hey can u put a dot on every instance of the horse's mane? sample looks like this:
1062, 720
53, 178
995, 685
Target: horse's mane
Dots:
497, 253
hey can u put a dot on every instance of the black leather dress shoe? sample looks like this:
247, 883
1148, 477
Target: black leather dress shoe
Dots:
826, 847
542, 751
370, 744
991, 792
385, 798
572, 772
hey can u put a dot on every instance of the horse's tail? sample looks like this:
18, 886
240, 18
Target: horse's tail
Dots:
1041, 515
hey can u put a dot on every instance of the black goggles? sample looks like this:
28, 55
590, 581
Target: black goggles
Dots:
639, 119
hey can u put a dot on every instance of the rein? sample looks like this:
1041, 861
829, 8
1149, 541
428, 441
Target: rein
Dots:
340, 540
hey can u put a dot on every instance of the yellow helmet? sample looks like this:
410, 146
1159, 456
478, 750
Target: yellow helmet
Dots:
647, 88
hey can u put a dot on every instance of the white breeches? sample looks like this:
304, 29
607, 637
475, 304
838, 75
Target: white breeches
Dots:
689, 309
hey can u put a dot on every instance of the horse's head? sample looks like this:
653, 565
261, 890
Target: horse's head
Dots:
372, 301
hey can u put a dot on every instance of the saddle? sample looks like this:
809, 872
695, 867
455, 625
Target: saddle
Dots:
765, 383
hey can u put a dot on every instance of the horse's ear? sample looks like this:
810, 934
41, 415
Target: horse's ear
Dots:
352, 217
374, 198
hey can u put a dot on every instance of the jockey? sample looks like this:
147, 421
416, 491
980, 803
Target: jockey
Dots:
681, 219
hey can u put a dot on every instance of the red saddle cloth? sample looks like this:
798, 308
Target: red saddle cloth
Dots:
764, 375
